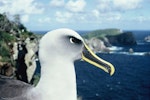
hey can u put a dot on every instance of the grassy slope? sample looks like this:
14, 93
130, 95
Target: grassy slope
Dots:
102, 33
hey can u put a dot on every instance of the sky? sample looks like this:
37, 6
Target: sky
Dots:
41, 15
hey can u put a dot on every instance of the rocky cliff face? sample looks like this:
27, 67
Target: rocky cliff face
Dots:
18, 47
126, 38
97, 45
102, 43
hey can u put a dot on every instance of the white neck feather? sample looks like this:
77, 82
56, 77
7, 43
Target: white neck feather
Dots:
58, 81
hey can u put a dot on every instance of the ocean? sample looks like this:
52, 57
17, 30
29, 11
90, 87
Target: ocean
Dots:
131, 80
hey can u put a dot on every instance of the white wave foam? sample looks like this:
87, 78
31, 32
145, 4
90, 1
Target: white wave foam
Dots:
135, 53
140, 43
115, 48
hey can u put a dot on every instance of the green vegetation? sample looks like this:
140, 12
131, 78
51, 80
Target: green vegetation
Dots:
102, 33
36, 79
4, 51
5, 39
10, 31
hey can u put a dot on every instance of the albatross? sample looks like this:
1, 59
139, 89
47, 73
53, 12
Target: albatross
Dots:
58, 49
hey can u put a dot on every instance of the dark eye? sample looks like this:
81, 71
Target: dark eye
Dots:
75, 40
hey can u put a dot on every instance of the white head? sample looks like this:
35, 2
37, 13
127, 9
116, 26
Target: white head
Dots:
61, 43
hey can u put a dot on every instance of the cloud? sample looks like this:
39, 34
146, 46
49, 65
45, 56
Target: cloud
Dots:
76, 12
96, 13
126, 4
44, 20
104, 10
63, 17
104, 5
99, 17
68, 10
25, 18
141, 19
117, 5
20, 7
75, 6
57, 3
113, 10
113, 17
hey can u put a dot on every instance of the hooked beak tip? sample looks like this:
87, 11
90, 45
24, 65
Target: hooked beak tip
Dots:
92, 58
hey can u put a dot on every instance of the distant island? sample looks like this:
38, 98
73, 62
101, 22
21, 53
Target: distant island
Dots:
99, 40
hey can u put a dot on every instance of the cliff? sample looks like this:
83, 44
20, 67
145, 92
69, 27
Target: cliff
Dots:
126, 38
18, 48
99, 40
96, 45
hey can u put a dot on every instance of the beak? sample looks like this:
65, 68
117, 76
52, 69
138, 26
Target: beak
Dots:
90, 57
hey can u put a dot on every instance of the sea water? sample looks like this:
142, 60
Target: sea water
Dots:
131, 80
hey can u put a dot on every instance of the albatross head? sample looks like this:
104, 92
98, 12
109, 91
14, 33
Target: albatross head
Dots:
58, 50
67, 44
61, 43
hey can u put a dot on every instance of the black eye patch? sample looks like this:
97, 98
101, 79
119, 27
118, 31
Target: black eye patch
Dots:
74, 40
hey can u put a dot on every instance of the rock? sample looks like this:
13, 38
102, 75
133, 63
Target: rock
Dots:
21, 67
6, 69
15, 51
30, 58
131, 50
106, 42
97, 45
147, 54
147, 39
